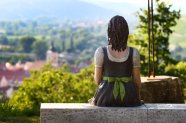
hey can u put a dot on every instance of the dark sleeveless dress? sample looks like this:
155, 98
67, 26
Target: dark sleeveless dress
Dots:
104, 95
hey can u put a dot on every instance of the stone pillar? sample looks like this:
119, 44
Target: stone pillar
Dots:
162, 89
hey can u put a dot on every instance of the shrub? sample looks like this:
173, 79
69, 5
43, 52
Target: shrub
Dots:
53, 86
178, 70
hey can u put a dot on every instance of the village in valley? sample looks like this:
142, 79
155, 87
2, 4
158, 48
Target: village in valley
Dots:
12, 75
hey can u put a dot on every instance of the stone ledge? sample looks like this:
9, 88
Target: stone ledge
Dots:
166, 113
86, 113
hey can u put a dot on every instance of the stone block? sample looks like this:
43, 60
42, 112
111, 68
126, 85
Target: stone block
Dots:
162, 89
166, 113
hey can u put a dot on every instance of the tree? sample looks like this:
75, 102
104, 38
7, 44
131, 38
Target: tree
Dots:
164, 19
39, 48
26, 44
4, 40
63, 46
71, 43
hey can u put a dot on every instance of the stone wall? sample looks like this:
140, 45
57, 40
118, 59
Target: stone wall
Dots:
86, 113
162, 89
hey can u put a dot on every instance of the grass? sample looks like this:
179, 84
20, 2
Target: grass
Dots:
20, 120
10, 114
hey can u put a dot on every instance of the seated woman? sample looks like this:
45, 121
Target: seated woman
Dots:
117, 69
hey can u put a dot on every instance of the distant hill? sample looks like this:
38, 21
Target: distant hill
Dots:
178, 38
56, 9
125, 9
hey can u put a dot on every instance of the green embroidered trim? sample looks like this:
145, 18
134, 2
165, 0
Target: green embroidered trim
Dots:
118, 85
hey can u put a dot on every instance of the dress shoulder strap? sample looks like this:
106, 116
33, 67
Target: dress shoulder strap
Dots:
105, 53
130, 57
104, 50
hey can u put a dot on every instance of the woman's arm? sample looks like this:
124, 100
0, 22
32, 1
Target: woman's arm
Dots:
136, 70
137, 79
98, 61
98, 74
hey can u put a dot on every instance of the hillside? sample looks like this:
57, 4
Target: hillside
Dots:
179, 36
178, 40
56, 9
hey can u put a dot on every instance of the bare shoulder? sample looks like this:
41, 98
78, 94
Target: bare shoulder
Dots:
99, 49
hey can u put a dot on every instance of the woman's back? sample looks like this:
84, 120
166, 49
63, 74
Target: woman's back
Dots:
117, 69
123, 93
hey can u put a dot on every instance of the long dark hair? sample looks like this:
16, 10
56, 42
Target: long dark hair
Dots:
118, 32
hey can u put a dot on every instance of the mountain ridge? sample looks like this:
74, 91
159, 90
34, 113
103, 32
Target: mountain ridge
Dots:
59, 9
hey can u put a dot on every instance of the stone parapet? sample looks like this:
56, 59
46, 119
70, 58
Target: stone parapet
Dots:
86, 113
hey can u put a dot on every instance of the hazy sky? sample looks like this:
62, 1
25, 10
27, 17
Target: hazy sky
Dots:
177, 4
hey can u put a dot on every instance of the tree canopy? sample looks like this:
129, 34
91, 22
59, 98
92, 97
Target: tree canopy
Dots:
164, 19
39, 48
26, 44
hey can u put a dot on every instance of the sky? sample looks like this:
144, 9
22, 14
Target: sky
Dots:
126, 8
176, 3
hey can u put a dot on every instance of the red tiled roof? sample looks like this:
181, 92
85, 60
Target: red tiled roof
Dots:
15, 75
2, 66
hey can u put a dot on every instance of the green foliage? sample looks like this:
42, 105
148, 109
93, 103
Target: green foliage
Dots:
6, 111
178, 70
53, 86
164, 19
67, 37
86, 86
3, 40
26, 44
39, 48
21, 119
